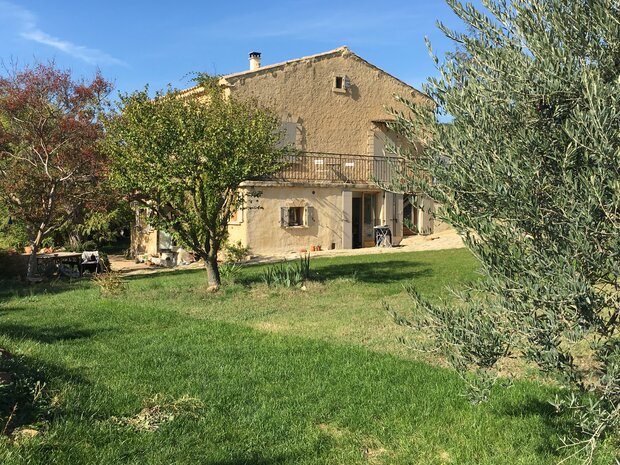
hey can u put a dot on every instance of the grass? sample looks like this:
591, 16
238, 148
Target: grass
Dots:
167, 373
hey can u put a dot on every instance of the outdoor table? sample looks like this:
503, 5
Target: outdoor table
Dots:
46, 260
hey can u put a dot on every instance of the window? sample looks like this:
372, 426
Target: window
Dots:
236, 217
294, 217
340, 84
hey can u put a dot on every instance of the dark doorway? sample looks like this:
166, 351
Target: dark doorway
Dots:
357, 222
364, 219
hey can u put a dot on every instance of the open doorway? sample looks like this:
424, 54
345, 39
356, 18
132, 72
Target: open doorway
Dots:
364, 219
411, 215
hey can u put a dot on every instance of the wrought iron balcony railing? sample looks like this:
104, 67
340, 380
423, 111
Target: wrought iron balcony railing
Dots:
337, 168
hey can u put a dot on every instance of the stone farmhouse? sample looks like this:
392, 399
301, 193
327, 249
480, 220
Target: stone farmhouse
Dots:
333, 110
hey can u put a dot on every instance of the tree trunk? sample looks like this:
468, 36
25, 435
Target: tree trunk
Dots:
32, 261
213, 272
75, 240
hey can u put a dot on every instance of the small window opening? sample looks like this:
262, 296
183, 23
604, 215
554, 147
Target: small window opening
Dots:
339, 82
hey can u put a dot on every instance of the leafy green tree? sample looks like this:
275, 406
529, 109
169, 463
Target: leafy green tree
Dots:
50, 163
528, 171
184, 155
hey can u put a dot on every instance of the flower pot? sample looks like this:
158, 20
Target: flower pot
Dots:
312, 248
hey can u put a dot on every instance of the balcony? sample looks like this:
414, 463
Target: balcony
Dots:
337, 168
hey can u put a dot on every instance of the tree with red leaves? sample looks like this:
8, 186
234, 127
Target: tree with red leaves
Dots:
50, 163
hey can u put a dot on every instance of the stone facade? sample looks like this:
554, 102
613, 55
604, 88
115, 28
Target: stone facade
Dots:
333, 110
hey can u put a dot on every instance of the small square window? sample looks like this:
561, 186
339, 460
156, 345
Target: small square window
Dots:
340, 84
294, 217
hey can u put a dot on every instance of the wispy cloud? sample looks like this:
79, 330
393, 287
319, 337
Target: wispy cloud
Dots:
29, 30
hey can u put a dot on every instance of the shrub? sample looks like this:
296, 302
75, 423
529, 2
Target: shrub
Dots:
236, 251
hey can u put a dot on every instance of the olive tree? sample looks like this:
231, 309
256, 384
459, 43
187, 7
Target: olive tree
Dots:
527, 170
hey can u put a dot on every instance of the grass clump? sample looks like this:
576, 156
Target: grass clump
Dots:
288, 274
158, 411
110, 283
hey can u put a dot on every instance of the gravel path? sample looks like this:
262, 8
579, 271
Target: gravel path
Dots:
444, 240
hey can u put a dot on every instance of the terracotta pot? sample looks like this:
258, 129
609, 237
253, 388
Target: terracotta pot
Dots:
312, 248
318, 248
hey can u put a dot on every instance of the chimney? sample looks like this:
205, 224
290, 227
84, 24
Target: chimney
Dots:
254, 60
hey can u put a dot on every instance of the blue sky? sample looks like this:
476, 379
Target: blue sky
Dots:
138, 42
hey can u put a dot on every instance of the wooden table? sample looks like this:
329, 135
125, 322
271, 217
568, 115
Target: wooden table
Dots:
47, 260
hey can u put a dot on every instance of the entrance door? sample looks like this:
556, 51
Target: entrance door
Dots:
364, 219
368, 219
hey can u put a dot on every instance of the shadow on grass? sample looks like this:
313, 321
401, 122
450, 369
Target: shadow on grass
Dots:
162, 273
366, 271
252, 461
26, 401
374, 273
11, 289
553, 421
47, 335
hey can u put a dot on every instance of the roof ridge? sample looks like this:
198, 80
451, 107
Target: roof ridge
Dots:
342, 48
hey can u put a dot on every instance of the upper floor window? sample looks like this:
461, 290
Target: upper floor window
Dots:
340, 83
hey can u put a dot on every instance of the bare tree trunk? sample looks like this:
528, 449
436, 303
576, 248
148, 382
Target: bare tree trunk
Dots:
32, 262
213, 272
75, 239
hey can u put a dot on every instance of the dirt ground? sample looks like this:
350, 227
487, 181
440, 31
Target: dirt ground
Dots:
444, 240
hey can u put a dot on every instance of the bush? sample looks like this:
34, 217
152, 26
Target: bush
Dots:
236, 251
230, 271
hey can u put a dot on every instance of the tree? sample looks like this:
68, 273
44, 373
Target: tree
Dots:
50, 164
528, 170
184, 156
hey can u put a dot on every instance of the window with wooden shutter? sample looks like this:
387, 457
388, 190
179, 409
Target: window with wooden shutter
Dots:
294, 217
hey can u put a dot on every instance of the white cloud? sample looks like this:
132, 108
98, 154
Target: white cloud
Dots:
29, 30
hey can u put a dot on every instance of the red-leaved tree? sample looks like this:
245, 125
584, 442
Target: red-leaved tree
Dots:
50, 163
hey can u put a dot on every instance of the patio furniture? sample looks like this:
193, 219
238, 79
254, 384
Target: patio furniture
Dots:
49, 263
90, 261
383, 236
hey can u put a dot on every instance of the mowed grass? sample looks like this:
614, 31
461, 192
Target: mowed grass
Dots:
253, 375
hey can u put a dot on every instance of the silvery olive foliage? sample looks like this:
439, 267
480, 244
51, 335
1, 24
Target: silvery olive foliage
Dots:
525, 164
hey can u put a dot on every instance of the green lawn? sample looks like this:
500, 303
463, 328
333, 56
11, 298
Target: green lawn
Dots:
252, 375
